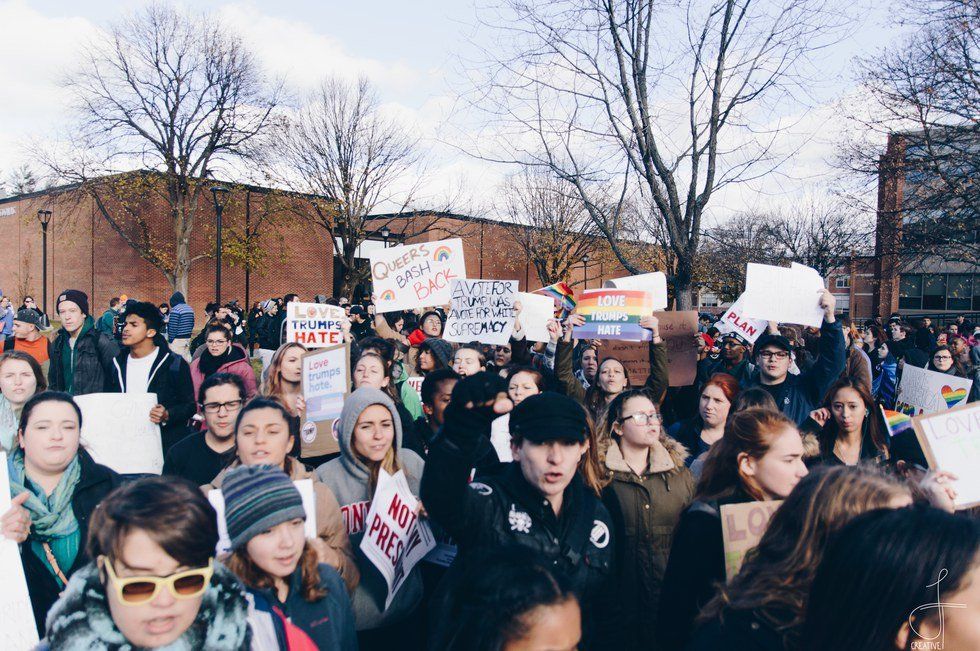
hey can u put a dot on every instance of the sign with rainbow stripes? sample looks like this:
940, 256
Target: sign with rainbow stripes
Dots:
896, 421
921, 391
613, 314
563, 297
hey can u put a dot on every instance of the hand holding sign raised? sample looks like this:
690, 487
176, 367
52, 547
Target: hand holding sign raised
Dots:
16, 522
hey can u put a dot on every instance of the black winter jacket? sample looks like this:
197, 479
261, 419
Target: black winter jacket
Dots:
93, 355
94, 483
737, 629
170, 379
798, 395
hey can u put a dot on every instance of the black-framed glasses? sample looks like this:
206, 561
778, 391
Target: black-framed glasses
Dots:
216, 342
643, 418
774, 354
215, 407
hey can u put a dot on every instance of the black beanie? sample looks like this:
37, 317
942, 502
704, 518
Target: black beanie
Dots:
76, 296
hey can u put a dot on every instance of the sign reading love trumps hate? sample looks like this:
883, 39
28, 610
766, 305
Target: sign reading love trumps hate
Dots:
742, 527
950, 440
613, 314
394, 537
326, 383
481, 310
412, 275
315, 325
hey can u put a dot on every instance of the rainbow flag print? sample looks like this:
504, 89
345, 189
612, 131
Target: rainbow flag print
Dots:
896, 421
563, 296
613, 314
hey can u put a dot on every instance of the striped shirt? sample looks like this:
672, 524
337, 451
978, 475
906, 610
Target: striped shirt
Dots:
181, 322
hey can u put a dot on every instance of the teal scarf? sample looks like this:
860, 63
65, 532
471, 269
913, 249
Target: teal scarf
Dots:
51, 515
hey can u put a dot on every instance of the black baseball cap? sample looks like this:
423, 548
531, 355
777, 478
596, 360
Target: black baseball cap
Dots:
549, 416
773, 340
739, 339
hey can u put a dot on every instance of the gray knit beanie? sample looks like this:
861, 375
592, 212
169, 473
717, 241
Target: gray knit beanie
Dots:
441, 349
258, 498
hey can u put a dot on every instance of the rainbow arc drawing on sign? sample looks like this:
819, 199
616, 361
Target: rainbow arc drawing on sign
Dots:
613, 314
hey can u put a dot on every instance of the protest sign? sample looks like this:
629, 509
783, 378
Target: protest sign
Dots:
314, 325
412, 275
950, 440
655, 284
562, 297
416, 383
17, 627
635, 357
534, 314
734, 320
481, 310
613, 314
742, 526
921, 391
117, 432
326, 383
677, 329
781, 294
390, 540
305, 488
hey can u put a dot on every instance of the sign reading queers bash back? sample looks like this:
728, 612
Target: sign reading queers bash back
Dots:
415, 275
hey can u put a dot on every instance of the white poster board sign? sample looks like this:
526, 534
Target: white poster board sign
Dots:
951, 441
655, 284
305, 488
17, 627
315, 325
390, 541
481, 310
117, 432
734, 320
326, 383
921, 391
535, 313
412, 275
783, 295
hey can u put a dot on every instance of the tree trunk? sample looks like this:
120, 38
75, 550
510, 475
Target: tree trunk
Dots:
683, 281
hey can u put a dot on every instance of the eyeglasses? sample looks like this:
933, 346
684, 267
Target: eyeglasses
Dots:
942, 358
216, 342
643, 418
135, 590
215, 407
774, 354
503, 349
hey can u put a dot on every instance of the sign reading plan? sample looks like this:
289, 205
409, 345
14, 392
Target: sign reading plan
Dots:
406, 277
481, 310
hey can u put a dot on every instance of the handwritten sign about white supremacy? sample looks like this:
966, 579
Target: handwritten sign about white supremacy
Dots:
951, 441
481, 310
734, 320
314, 325
655, 284
781, 294
305, 488
921, 391
410, 276
326, 383
390, 540
17, 628
117, 432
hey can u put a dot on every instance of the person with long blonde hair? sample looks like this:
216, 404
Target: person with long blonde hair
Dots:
283, 380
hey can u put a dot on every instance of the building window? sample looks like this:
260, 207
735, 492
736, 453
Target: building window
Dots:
910, 292
843, 282
934, 292
959, 295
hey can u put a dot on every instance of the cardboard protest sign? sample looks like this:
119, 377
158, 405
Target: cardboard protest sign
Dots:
677, 329
654, 284
481, 310
781, 294
634, 356
315, 325
734, 320
117, 432
390, 540
742, 527
326, 383
535, 312
951, 441
413, 275
613, 314
305, 488
19, 631
921, 391
562, 296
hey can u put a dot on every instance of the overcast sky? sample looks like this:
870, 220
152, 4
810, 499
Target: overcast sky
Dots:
410, 50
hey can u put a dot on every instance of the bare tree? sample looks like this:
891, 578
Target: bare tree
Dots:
671, 101
546, 219
820, 234
926, 99
743, 238
340, 146
174, 94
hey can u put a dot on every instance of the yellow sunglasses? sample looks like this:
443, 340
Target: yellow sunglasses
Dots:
135, 590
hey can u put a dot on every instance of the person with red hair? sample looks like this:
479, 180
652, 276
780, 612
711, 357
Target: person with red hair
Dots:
699, 432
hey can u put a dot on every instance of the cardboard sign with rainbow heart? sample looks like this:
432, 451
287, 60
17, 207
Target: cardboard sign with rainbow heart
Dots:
921, 391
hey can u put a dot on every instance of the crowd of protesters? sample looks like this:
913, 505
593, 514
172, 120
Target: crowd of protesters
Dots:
581, 506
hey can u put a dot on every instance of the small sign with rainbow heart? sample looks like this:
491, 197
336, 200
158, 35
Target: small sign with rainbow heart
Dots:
921, 391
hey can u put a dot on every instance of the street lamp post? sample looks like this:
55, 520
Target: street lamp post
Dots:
385, 234
220, 195
585, 270
44, 216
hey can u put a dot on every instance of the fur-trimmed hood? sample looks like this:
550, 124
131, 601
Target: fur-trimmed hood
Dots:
665, 456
